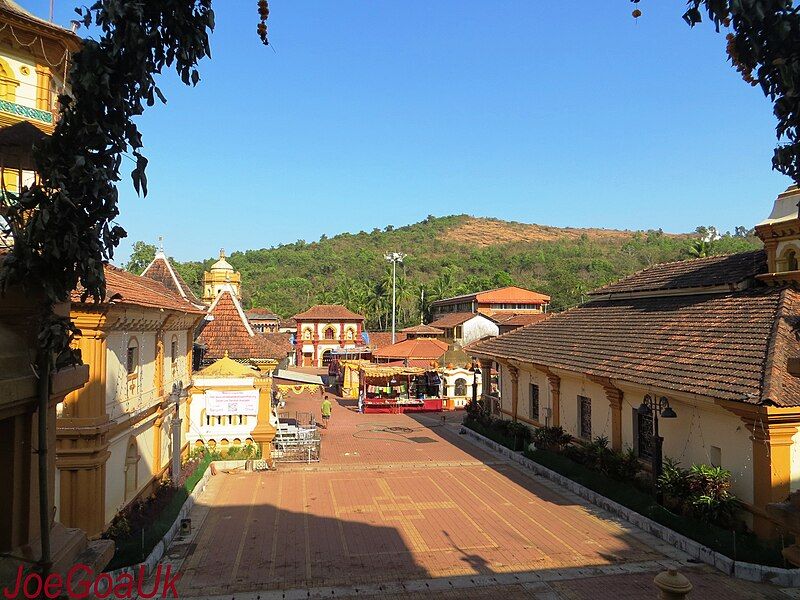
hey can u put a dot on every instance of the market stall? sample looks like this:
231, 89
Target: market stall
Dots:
397, 388
344, 378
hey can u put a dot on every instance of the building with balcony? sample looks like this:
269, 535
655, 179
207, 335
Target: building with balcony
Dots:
34, 57
324, 328
114, 436
505, 300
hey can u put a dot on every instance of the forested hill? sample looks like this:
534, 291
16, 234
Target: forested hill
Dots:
448, 256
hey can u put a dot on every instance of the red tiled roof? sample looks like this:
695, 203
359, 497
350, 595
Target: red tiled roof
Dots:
453, 320
126, 288
518, 319
160, 270
510, 294
328, 312
730, 346
230, 331
423, 329
264, 314
379, 339
417, 349
725, 270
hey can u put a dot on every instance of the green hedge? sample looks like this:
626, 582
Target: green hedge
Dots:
494, 435
739, 546
137, 547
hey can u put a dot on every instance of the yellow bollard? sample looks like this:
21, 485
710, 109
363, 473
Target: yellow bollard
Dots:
673, 585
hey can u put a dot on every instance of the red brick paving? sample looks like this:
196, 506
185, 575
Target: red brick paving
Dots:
381, 507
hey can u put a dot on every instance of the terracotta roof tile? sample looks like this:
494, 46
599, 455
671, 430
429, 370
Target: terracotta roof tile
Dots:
160, 270
510, 294
518, 319
423, 329
728, 346
418, 349
453, 320
713, 271
230, 331
328, 311
379, 339
127, 288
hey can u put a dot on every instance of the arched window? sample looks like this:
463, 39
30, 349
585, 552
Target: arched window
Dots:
460, 387
8, 83
326, 358
132, 356
131, 470
350, 333
791, 260
329, 333
173, 352
307, 333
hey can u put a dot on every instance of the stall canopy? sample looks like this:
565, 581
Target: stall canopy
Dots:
373, 370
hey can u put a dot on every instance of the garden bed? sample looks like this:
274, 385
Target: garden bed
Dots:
138, 529
736, 546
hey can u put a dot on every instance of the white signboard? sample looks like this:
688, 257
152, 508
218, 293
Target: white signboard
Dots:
239, 402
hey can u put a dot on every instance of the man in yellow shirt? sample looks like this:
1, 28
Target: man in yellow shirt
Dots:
326, 411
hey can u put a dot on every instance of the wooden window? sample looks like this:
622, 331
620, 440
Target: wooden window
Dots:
329, 333
460, 387
173, 350
643, 434
585, 417
132, 357
534, 398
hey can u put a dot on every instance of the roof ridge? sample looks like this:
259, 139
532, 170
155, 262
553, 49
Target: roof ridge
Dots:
771, 374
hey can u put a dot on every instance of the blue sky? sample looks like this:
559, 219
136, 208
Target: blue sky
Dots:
369, 113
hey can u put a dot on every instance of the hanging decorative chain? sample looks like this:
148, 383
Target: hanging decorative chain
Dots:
263, 15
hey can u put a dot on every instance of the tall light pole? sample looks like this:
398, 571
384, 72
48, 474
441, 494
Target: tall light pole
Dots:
655, 407
394, 258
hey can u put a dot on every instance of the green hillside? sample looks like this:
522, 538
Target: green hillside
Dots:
448, 256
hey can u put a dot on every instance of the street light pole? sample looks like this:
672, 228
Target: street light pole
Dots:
394, 258
655, 407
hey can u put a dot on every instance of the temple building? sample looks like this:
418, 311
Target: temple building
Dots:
714, 337
222, 276
224, 404
114, 435
324, 328
505, 300
227, 331
34, 54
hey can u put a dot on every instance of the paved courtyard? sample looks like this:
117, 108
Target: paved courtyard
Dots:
405, 507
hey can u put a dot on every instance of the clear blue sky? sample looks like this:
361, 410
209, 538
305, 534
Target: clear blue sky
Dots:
371, 113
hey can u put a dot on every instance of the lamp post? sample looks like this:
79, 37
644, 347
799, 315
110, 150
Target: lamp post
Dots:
656, 407
475, 372
394, 258
177, 393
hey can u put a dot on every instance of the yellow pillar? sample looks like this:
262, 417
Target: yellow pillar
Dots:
614, 397
772, 430
264, 431
81, 434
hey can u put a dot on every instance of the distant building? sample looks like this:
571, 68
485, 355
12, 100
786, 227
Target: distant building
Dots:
227, 331
463, 328
416, 352
510, 299
324, 328
418, 331
263, 320
222, 276
510, 322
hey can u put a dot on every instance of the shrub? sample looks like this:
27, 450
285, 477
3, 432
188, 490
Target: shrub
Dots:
702, 492
551, 438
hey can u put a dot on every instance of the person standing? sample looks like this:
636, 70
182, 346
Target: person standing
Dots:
361, 401
326, 411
